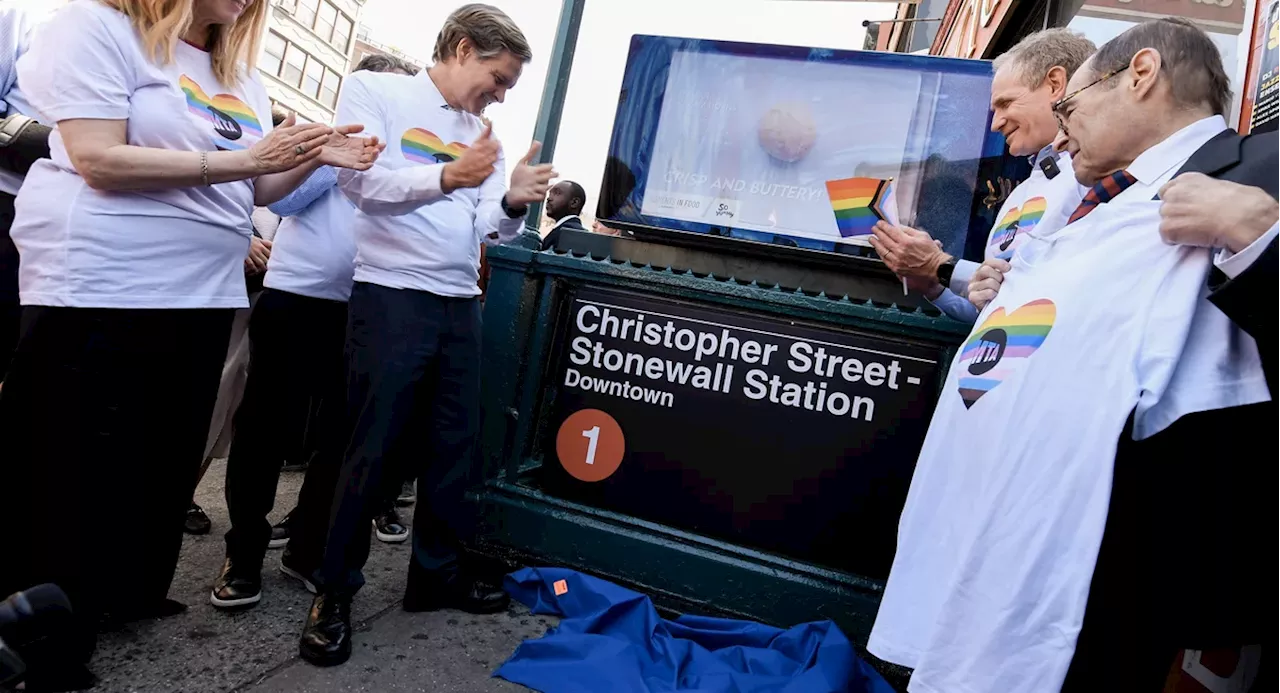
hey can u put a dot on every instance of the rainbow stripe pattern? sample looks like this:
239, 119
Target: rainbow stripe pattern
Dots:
858, 203
423, 147
1002, 344
231, 118
1013, 224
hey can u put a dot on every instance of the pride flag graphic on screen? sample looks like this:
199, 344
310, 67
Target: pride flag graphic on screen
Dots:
423, 147
230, 117
1001, 345
1014, 223
858, 203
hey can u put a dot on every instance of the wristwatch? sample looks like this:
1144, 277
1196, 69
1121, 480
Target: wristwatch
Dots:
512, 212
945, 270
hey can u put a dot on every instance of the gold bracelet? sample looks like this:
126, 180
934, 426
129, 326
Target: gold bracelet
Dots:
204, 168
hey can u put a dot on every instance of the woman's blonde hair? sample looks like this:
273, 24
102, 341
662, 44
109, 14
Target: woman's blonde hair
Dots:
161, 24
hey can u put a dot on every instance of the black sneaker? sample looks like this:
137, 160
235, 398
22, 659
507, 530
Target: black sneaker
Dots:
280, 533
236, 588
197, 522
388, 529
408, 494
291, 567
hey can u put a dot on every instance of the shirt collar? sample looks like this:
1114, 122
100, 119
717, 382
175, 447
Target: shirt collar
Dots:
1047, 152
431, 92
1174, 151
564, 219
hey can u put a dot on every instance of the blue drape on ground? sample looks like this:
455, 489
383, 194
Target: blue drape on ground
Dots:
612, 640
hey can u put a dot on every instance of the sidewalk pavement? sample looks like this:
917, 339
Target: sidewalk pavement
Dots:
207, 651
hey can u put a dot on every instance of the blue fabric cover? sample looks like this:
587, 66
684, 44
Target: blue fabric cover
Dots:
612, 640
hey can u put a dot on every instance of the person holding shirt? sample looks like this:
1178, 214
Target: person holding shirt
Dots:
1029, 78
413, 346
133, 238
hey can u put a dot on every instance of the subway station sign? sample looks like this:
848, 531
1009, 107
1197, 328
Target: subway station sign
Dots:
781, 436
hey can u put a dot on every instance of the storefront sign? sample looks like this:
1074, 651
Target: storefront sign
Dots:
970, 27
766, 433
1223, 16
1265, 115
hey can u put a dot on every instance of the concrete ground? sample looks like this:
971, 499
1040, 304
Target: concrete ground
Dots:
206, 651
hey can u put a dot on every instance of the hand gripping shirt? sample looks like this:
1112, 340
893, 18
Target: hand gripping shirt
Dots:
1000, 533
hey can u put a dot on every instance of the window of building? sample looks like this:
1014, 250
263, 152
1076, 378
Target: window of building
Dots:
289, 5
326, 17
312, 78
273, 53
329, 88
306, 12
294, 61
342, 33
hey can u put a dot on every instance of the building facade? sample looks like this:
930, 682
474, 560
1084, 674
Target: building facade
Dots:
366, 45
307, 52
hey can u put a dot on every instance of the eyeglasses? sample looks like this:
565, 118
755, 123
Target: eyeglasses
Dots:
1058, 105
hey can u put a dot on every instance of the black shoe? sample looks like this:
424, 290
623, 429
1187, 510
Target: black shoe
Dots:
408, 494
236, 588
280, 532
326, 637
197, 522
473, 596
290, 566
388, 529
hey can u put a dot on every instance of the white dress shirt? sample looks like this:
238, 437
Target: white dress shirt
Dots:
409, 233
1220, 366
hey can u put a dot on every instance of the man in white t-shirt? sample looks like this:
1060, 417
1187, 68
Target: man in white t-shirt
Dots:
413, 348
1029, 78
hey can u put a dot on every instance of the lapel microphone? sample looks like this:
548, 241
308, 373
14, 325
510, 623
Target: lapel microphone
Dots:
1049, 165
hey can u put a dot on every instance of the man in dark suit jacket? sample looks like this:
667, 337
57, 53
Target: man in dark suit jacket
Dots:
564, 204
1186, 560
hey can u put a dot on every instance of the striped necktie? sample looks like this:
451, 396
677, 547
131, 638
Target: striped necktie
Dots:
1102, 192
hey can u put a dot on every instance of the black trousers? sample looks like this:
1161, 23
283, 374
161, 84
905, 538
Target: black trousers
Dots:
103, 415
10, 310
413, 406
295, 358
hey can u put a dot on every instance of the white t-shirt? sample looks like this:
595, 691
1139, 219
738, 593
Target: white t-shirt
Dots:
1000, 533
171, 248
409, 234
314, 251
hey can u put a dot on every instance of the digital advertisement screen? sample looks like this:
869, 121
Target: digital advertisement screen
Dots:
801, 147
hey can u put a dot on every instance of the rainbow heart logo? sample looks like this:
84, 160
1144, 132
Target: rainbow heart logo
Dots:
1013, 225
424, 147
1001, 345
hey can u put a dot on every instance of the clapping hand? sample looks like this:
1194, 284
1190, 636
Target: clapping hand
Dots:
289, 145
345, 150
529, 181
474, 166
